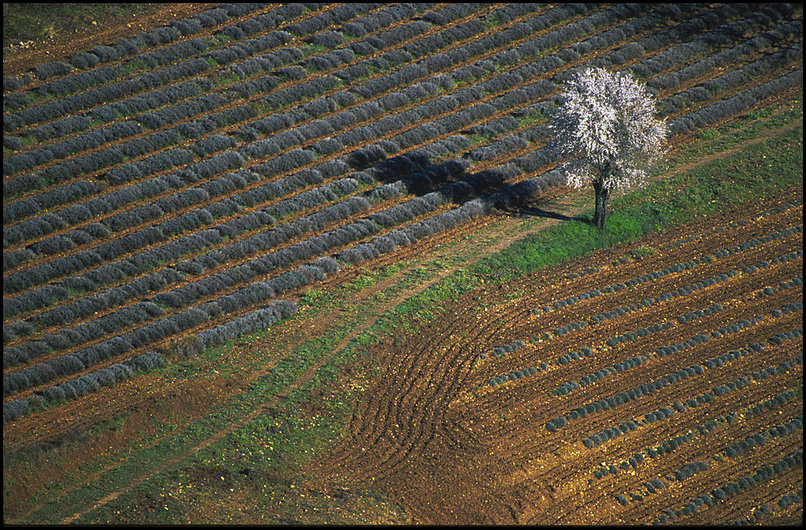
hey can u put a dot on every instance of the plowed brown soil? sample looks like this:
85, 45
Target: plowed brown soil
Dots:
454, 450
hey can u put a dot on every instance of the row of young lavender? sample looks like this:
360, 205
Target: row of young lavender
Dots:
712, 465
662, 351
671, 378
732, 375
725, 481
770, 264
708, 436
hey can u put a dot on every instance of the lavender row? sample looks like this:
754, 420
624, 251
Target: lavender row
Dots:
80, 386
656, 385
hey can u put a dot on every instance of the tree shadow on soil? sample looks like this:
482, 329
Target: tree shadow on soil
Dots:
452, 179
536, 210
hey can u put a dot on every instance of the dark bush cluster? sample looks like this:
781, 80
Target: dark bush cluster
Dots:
302, 92
62, 171
556, 423
285, 163
712, 61
734, 78
164, 116
14, 258
269, 261
273, 145
518, 193
41, 297
381, 19
14, 409
24, 353
498, 148
82, 81
47, 70
156, 163
104, 325
16, 329
62, 127
11, 84
330, 60
499, 351
87, 306
641, 332
639, 391
96, 100
60, 196
449, 13
403, 212
95, 206
213, 144
609, 370
573, 356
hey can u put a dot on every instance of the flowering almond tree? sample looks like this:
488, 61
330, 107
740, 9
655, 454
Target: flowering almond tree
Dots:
607, 129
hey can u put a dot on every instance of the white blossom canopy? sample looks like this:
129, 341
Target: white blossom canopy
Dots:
606, 126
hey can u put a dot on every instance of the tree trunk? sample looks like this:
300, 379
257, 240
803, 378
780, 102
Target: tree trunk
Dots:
602, 195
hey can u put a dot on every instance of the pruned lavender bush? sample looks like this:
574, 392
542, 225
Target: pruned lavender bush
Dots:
250, 323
